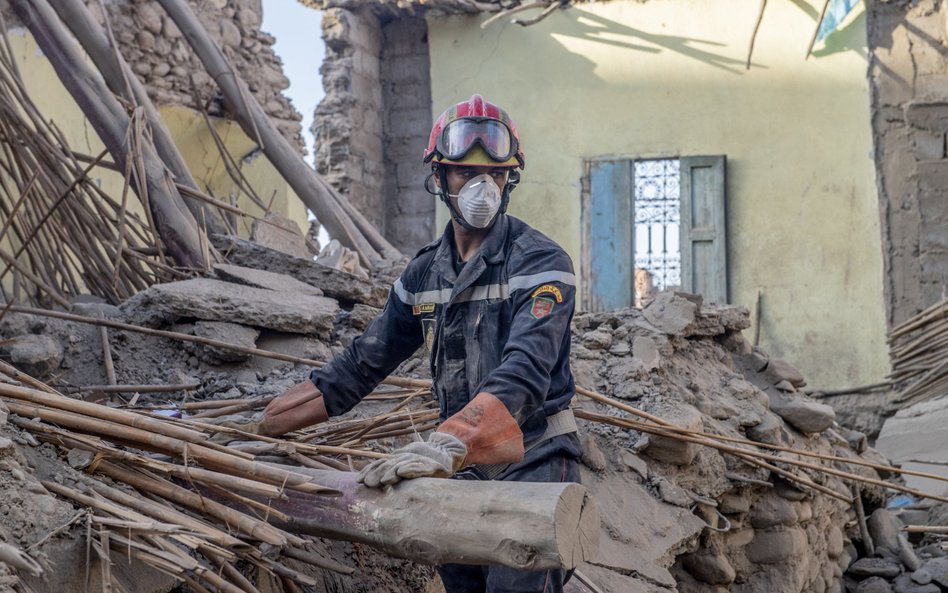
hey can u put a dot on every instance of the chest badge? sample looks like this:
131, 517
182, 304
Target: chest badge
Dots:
423, 308
428, 331
541, 307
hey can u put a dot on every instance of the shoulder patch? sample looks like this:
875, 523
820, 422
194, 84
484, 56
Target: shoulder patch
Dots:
542, 307
549, 289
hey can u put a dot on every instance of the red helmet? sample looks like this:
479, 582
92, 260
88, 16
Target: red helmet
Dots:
470, 124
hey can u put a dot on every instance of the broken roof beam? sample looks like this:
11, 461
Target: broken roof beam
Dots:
172, 220
123, 82
340, 218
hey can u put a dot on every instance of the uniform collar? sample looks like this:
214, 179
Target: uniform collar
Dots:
492, 251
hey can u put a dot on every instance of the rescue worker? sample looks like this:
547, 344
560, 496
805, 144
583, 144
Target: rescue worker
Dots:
491, 300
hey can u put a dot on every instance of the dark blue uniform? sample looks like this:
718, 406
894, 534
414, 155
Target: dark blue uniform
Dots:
498, 323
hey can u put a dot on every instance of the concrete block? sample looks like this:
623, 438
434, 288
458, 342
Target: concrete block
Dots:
932, 116
928, 145
933, 176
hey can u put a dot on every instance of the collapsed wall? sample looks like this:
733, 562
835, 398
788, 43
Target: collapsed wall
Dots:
675, 516
372, 126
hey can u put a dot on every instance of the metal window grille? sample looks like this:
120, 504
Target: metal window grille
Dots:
657, 221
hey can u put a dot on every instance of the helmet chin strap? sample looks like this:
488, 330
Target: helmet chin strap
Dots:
513, 178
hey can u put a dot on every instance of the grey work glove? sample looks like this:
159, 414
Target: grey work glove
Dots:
439, 457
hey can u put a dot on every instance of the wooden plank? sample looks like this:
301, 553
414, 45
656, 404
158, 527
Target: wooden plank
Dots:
610, 236
703, 227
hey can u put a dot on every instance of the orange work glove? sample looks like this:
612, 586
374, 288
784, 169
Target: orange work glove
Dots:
302, 405
482, 432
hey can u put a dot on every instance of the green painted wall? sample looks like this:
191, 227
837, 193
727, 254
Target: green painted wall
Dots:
667, 78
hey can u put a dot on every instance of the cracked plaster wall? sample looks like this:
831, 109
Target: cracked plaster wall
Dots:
372, 126
908, 76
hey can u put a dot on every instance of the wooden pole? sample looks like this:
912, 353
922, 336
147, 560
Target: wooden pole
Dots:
172, 220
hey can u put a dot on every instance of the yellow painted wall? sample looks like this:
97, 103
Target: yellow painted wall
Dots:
188, 129
667, 78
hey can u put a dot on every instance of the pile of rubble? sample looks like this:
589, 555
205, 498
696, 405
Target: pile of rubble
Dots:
676, 515
896, 566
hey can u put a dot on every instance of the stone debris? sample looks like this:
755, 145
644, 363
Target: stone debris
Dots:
231, 333
675, 516
346, 288
264, 279
36, 355
675, 451
214, 300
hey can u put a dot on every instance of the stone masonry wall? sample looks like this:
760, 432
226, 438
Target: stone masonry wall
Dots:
348, 122
155, 49
909, 77
372, 127
406, 91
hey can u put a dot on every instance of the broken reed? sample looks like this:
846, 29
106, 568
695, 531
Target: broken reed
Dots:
62, 234
165, 525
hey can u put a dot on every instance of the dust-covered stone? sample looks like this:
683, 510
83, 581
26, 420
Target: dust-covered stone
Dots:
230, 333
213, 300
264, 279
36, 355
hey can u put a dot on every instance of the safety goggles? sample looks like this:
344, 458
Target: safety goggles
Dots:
458, 137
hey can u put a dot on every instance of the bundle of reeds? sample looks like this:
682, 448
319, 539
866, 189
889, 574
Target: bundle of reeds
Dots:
164, 521
918, 349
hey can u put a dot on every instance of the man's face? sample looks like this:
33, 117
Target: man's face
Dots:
457, 176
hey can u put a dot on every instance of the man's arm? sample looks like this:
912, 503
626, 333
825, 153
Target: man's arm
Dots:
390, 339
543, 292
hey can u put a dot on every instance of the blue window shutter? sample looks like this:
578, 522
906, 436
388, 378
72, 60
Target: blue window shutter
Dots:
608, 225
703, 227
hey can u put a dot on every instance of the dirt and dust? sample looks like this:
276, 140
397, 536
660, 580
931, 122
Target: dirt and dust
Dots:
676, 516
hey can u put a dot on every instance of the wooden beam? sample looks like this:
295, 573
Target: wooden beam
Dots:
525, 525
122, 81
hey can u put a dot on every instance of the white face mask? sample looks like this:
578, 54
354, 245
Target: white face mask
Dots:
479, 201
